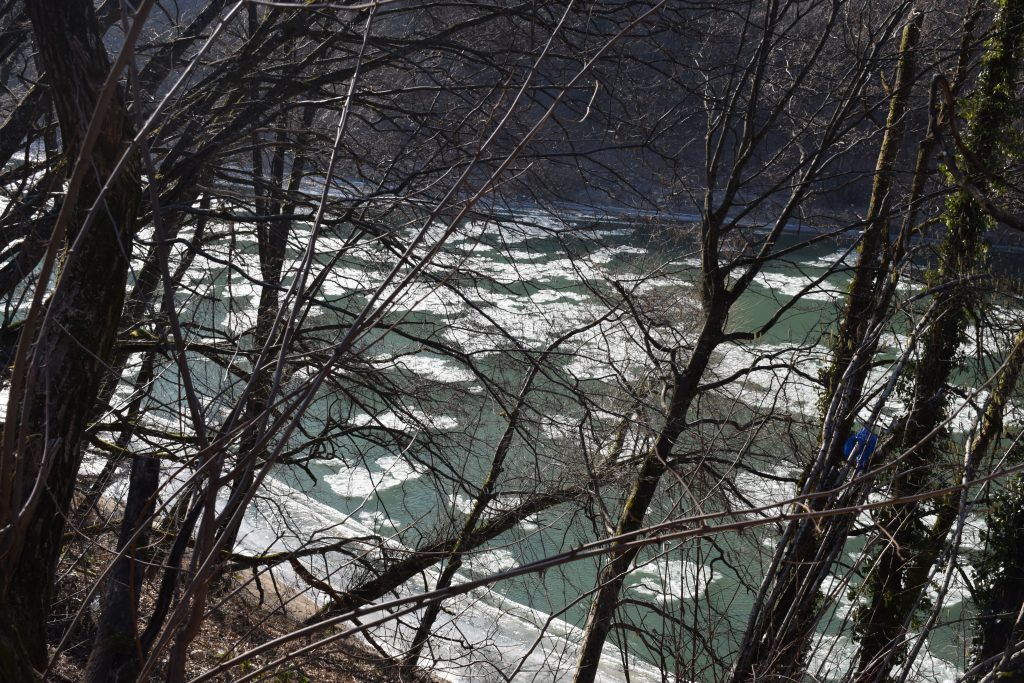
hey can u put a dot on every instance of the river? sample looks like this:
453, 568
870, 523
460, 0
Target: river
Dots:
403, 450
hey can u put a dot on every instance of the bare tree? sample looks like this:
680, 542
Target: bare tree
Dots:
434, 312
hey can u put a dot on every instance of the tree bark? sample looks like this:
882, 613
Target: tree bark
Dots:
778, 633
900, 573
1000, 593
68, 360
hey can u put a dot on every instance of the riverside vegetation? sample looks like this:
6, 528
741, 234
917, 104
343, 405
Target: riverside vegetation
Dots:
511, 341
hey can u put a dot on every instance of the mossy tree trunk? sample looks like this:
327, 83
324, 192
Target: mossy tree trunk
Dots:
1000, 585
899, 575
778, 634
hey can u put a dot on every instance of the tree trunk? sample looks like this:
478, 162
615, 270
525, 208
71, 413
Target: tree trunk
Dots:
871, 272
899, 575
1001, 574
655, 464
272, 237
778, 632
1000, 592
68, 359
114, 656
424, 557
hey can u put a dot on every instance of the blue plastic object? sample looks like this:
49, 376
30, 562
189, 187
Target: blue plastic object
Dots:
864, 443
